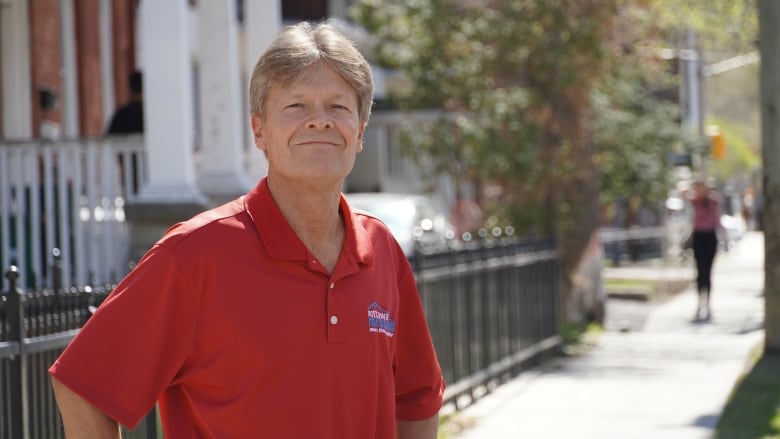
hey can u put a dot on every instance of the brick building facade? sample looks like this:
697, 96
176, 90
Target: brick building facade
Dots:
91, 43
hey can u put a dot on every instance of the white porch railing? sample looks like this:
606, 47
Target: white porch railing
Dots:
68, 195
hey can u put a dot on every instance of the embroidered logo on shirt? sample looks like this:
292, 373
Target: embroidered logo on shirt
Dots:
379, 320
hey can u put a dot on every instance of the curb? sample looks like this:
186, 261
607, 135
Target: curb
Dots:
646, 290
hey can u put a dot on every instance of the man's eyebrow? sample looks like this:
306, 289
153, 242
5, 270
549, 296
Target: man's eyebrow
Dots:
334, 96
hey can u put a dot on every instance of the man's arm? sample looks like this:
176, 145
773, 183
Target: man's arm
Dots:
424, 429
82, 419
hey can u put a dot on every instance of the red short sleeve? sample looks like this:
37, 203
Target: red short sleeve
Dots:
419, 382
125, 355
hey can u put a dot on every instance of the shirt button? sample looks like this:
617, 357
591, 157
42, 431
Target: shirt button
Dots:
334, 320
332, 285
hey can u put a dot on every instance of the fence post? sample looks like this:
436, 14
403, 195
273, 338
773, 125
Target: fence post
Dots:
56, 272
56, 269
17, 367
151, 424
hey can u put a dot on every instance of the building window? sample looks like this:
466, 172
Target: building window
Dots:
296, 10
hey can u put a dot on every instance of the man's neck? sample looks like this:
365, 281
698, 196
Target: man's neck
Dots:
312, 211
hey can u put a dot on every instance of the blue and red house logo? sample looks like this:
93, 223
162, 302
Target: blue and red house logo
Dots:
379, 320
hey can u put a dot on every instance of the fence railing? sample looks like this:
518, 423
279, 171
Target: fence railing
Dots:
70, 195
35, 327
491, 307
635, 243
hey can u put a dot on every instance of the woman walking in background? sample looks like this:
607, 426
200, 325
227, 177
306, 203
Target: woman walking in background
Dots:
706, 222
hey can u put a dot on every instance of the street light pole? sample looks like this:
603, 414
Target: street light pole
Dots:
693, 119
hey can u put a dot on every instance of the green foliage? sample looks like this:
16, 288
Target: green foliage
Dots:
635, 134
506, 72
725, 27
578, 335
511, 75
541, 102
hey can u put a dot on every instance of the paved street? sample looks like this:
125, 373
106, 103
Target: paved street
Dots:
668, 376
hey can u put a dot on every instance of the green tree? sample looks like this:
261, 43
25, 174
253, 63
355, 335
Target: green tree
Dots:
636, 129
520, 83
723, 27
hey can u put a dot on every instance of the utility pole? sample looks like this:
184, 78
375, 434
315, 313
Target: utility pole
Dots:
769, 46
693, 121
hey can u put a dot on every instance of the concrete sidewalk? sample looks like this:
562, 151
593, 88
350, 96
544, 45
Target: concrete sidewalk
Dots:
668, 378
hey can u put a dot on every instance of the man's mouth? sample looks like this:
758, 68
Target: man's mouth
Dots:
318, 142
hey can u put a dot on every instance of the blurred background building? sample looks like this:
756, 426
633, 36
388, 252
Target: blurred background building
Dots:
196, 57
64, 73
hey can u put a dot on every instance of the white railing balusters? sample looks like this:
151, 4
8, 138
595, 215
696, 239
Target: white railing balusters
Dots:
63, 214
91, 183
19, 213
106, 177
68, 195
114, 255
35, 224
48, 211
79, 183
5, 209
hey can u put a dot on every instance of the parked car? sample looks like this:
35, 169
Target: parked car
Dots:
411, 218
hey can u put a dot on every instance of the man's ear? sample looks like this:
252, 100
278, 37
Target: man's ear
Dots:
361, 132
257, 131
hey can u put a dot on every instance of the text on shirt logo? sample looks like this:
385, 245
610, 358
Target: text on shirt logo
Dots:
379, 320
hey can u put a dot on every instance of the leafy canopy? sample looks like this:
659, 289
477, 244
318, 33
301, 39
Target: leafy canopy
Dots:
535, 93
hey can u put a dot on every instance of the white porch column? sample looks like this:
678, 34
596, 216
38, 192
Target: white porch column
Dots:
106, 61
16, 75
262, 21
170, 195
168, 108
70, 92
221, 173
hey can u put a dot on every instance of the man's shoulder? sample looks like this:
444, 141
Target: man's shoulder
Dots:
208, 227
371, 223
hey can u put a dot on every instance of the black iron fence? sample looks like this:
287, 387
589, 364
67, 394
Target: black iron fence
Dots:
492, 307
35, 327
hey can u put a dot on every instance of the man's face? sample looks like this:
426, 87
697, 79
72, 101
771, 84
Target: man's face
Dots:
310, 129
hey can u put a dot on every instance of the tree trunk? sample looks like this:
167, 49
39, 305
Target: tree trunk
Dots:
578, 193
769, 17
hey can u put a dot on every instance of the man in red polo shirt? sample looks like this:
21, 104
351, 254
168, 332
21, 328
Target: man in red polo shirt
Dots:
282, 314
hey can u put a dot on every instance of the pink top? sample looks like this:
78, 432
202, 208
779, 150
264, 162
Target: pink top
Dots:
706, 214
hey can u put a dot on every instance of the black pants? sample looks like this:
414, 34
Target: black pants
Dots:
705, 245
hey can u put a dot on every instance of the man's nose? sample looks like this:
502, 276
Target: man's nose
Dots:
319, 118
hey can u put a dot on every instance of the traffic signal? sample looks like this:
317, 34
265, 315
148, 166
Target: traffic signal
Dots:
717, 143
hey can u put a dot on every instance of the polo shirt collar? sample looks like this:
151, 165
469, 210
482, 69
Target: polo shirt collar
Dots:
281, 241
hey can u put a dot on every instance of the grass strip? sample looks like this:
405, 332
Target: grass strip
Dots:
753, 409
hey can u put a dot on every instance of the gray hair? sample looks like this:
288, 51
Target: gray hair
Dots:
300, 50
